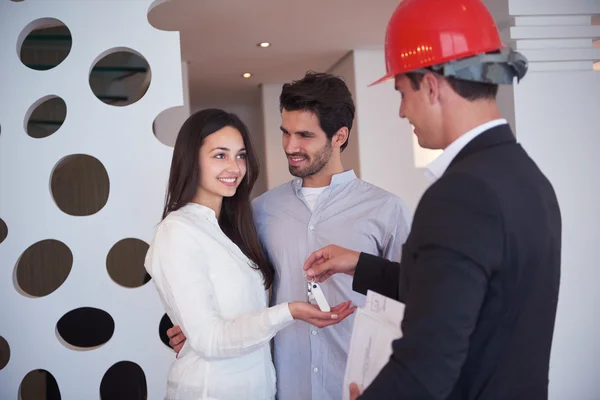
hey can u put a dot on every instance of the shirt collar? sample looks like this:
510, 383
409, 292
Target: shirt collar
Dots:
438, 166
337, 179
201, 210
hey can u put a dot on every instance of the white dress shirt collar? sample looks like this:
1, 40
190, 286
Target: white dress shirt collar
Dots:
438, 166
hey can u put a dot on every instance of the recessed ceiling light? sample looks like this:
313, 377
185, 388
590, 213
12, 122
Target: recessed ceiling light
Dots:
246, 75
264, 44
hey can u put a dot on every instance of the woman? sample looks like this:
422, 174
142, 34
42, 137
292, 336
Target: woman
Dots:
212, 277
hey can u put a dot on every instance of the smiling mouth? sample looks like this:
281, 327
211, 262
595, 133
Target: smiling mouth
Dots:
228, 180
296, 159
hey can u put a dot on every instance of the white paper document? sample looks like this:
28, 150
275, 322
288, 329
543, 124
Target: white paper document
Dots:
376, 325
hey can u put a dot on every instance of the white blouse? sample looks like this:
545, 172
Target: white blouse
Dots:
208, 288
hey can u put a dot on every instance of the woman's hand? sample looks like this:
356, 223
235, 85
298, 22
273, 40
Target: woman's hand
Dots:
310, 313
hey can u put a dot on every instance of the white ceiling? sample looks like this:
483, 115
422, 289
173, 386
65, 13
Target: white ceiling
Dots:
219, 38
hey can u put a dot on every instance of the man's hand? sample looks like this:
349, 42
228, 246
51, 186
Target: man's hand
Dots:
354, 391
313, 315
176, 338
330, 260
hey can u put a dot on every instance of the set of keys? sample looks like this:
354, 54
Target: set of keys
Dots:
315, 294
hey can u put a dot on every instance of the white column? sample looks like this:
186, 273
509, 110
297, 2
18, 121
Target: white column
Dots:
557, 114
389, 156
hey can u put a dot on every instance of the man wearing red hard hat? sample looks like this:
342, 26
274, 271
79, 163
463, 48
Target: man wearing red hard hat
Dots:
480, 270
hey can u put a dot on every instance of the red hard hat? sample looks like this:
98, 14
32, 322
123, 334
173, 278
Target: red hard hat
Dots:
423, 33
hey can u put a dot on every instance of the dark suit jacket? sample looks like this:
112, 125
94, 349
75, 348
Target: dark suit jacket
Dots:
479, 276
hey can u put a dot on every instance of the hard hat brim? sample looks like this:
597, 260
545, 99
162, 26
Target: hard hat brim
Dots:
385, 78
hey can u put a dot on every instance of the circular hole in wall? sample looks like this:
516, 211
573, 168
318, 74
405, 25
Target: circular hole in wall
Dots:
164, 325
85, 328
3, 230
125, 263
167, 124
80, 185
120, 77
125, 380
43, 268
39, 384
4, 353
45, 117
44, 44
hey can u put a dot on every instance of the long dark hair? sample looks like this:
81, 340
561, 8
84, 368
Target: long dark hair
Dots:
235, 218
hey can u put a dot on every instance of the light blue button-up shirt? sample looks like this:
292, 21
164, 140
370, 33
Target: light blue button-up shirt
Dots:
311, 362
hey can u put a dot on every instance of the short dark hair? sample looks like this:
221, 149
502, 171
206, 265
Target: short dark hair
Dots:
235, 219
325, 95
469, 90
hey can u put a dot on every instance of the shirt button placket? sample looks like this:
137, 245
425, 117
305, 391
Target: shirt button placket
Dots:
316, 359
314, 337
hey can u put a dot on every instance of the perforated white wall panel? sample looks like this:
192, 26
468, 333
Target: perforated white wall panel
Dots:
137, 163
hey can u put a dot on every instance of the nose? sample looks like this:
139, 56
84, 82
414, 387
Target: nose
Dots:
290, 145
233, 166
401, 112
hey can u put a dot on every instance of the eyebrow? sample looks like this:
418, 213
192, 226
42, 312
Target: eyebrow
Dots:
226, 149
297, 132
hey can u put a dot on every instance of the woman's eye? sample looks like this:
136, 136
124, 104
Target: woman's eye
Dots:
220, 156
242, 156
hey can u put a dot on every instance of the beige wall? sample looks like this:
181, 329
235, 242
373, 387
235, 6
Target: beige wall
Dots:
386, 151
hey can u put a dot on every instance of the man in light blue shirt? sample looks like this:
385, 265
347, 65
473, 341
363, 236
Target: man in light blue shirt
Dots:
324, 204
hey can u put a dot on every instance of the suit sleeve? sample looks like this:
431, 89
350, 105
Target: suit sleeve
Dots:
376, 274
458, 244
382, 274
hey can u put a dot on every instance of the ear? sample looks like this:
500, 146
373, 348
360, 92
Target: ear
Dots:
430, 86
340, 137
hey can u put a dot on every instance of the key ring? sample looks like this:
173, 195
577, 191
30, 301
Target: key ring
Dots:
311, 280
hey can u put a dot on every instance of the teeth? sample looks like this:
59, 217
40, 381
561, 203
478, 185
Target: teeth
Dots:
298, 159
228, 180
